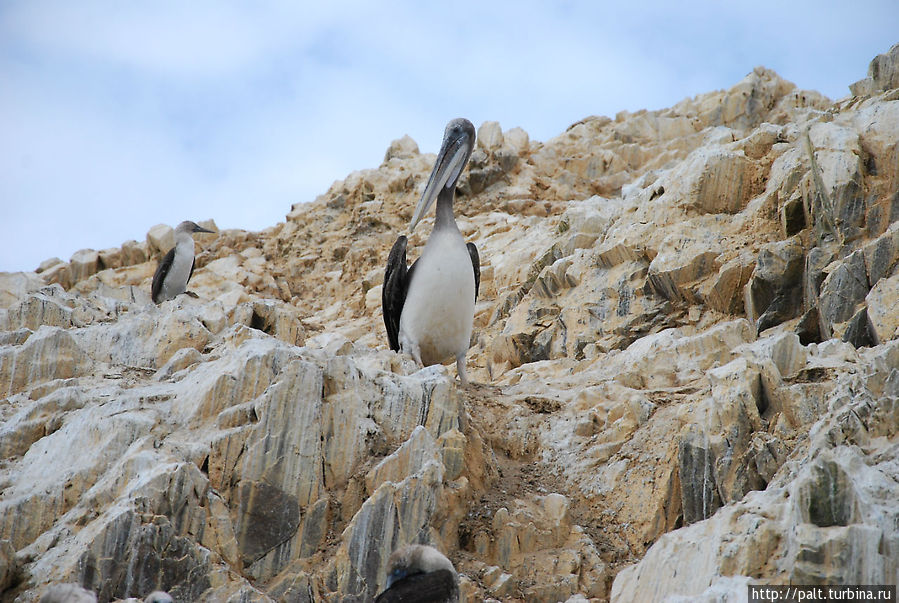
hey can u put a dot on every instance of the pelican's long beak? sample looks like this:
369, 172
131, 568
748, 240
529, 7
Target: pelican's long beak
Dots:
453, 156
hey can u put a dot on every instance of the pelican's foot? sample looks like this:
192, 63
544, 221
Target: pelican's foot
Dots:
463, 374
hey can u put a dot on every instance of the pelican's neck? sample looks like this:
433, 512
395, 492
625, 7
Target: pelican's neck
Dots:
444, 217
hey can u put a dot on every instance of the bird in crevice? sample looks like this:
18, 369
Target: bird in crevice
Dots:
418, 573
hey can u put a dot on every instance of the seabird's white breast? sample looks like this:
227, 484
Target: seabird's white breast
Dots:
439, 309
175, 282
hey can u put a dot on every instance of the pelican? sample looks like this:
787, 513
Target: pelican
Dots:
417, 573
429, 308
177, 266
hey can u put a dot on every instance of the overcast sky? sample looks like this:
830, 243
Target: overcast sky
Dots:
115, 116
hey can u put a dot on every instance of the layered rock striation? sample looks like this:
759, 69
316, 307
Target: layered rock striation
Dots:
686, 367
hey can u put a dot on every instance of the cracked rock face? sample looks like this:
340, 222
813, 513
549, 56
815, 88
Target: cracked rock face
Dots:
685, 366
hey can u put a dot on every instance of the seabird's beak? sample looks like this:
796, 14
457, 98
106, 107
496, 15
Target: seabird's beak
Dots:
453, 155
395, 576
198, 228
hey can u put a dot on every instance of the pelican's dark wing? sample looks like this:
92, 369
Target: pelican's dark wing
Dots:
393, 295
476, 264
161, 271
430, 587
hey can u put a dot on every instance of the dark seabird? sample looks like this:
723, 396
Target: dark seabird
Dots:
429, 308
177, 266
417, 573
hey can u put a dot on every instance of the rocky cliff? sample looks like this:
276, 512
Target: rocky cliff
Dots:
686, 366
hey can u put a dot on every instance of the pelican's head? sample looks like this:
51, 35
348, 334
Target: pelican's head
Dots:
458, 142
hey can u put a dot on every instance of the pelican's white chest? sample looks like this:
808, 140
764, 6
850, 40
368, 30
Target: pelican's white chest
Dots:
439, 309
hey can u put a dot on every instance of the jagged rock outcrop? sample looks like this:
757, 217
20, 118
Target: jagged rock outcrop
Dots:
686, 367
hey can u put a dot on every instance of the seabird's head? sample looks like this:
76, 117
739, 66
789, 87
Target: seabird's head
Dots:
190, 227
416, 559
158, 596
458, 142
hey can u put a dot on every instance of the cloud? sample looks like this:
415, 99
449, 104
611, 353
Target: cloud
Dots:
73, 171
202, 39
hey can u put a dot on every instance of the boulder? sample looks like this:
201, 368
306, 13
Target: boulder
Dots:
16, 285
8, 564
882, 302
716, 182
490, 136
881, 255
401, 148
110, 258
776, 281
134, 253
838, 179
517, 140
83, 264
844, 287
160, 239
883, 74
49, 354
684, 257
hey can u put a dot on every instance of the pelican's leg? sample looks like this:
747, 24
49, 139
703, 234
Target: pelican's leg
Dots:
408, 347
460, 368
